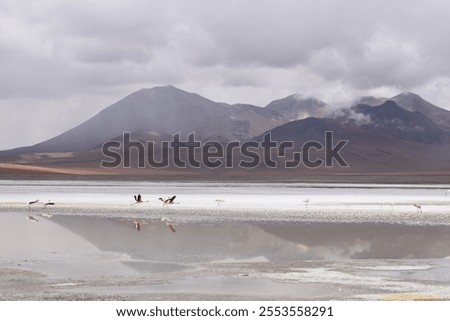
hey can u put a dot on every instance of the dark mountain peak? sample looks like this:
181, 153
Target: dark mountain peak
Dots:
409, 98
391, 113
389, 104
391, 119
169, 94
167, 88
408, 94
404, 99
388, 110
413, 102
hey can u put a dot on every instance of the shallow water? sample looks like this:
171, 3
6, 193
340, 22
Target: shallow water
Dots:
347, 242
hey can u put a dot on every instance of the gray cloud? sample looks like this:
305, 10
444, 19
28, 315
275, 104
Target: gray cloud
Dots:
52, 52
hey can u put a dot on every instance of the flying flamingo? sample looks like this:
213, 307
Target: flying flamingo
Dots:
168, 201
138, 199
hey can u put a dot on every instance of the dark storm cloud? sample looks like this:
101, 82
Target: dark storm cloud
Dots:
54, 47
233, 51
365, 44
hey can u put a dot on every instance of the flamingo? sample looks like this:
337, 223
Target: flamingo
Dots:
419, 207
168, 201
306, 201
48, 204
138, 199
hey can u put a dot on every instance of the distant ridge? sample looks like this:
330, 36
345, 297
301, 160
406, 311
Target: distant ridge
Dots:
401, 133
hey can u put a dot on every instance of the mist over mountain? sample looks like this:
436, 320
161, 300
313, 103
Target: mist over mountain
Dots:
379, 138
389, 119
404, 132
295, 107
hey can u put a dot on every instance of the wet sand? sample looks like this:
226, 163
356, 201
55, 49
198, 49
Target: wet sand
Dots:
75, 256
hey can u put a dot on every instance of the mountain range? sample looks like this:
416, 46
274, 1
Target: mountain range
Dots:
402, 134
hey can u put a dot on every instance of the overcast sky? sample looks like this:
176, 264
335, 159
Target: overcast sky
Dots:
63, 61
